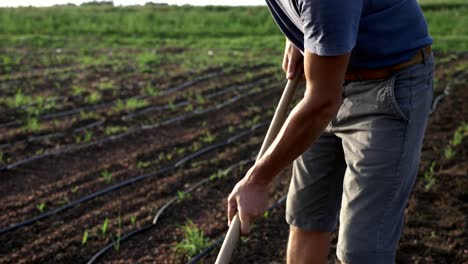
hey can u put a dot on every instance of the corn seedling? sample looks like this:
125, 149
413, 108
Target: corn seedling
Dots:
106, 175
180, 151
133, 219
266, 214
77, 90
88, 115
171, 105
74, 189
182, 196
143, 164
41, 207
32, 125
18, 100
88, 136
429, 177
151, 91
134, 103
196, 146
93, 98
84, 240
208, 138
200, 99
116, 243
189, 108
106, 85
460, 133
110, 130
449, 153
194, 241
104, 227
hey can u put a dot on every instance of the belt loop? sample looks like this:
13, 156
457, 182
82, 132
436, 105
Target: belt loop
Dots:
424, 55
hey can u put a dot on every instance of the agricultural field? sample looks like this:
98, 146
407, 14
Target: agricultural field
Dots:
123, 130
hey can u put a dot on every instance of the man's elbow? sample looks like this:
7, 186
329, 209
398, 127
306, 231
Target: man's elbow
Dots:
324, 108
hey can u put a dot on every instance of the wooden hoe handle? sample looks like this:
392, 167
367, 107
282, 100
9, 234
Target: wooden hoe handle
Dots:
232, 236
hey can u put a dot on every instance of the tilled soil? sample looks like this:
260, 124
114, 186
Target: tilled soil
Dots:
436, 218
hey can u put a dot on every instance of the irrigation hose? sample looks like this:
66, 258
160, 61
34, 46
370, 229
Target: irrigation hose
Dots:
104, 250
132, 180
173, 120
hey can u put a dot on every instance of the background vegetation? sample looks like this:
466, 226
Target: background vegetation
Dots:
240, 28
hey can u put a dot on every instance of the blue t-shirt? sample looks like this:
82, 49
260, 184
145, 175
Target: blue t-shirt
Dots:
378, 33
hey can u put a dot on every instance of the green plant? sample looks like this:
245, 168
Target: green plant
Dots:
41, 207
182, 196
196, 146
116, 243
88, 115
460, 133
106, 85
200, 99
104, 227
188, 108
88, 136
143, 164
134, 103
208, 138
180, 151
133, 219
171, 105
32, 125
151, 90
449, 153
110, 130
106, 175
74, 189
194, 240
84, 240
93, 97
77, 90
429, 178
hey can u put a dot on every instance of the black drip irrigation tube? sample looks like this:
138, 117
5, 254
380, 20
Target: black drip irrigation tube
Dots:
128, 182
235, 87
109, 246
132, 131
218, 242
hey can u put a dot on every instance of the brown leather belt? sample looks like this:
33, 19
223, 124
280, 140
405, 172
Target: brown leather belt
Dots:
385, 72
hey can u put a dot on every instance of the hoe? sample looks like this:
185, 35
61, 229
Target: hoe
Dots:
232, 236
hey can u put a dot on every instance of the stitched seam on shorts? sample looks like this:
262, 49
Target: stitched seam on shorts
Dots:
399, 182
395, 108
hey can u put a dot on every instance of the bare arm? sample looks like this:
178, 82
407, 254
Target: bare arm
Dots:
322, 98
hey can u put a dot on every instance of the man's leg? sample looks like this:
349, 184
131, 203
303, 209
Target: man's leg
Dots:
308, 247
381, 124
314, 199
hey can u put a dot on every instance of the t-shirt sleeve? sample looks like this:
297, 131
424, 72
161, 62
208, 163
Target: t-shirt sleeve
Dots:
330, 26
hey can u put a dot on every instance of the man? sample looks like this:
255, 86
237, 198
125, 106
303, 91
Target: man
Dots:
355, 138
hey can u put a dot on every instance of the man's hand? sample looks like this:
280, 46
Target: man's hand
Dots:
249, 198
292, 58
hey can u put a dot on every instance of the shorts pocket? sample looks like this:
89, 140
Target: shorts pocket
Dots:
399, 97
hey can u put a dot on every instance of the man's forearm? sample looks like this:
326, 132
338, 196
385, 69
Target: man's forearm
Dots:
303, 126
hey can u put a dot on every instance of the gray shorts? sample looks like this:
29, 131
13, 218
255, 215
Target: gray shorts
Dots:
365, 163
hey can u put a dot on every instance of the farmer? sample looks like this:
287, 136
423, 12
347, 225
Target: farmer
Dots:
356, 135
